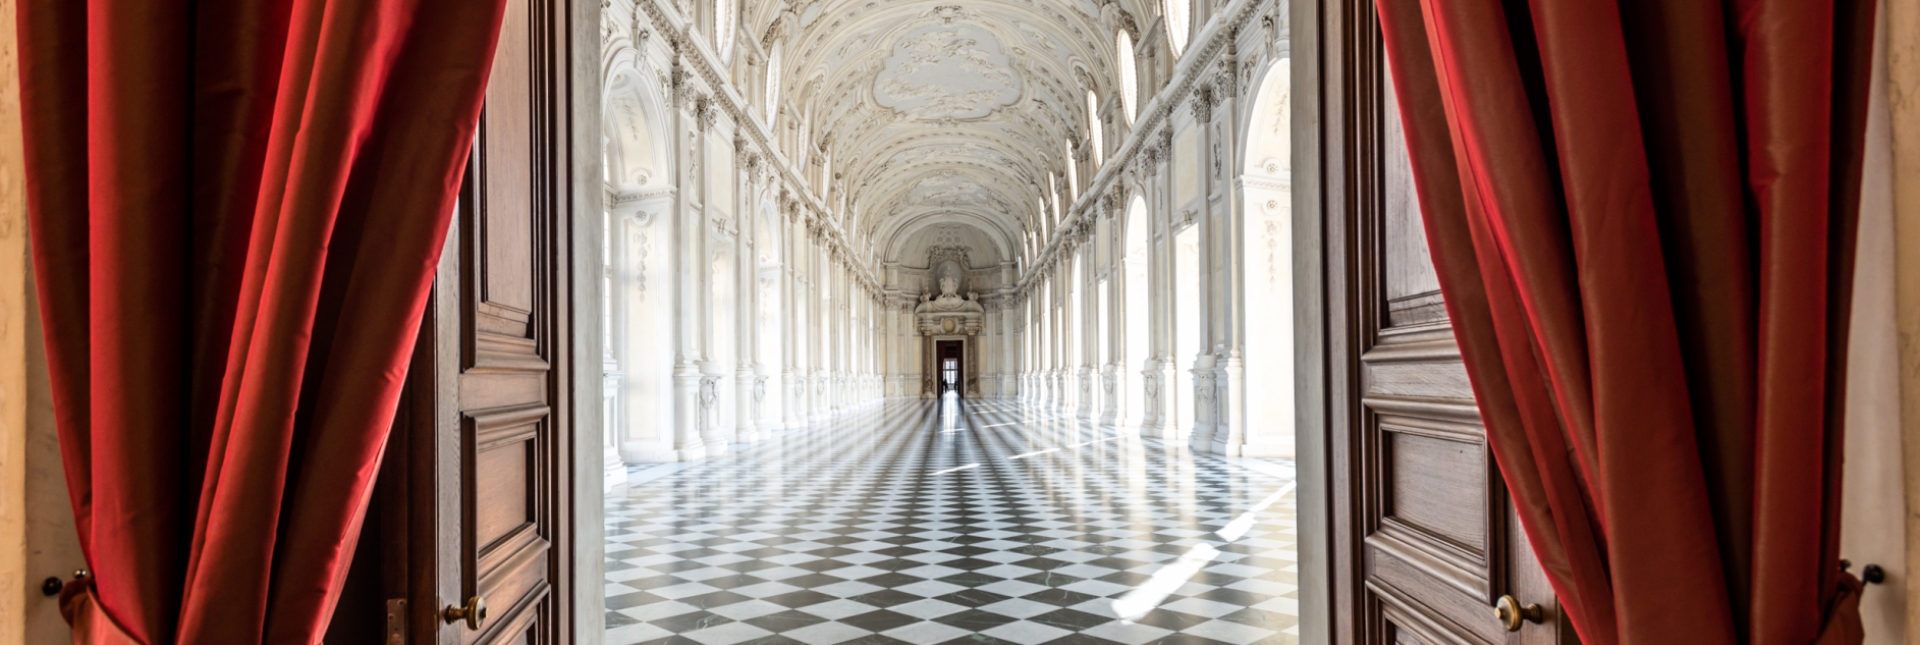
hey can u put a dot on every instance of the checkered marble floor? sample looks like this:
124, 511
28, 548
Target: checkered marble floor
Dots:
963, 523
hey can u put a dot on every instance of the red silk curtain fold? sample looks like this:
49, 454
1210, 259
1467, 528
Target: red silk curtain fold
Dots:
1642, 213
237, 207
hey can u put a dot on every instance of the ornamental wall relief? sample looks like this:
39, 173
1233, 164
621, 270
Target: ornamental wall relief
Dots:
949, 313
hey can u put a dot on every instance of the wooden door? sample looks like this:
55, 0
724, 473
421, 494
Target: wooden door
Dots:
1426, 541
485, 437
472, 505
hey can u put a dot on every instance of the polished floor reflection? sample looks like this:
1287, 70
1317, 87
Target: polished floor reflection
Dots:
958, 522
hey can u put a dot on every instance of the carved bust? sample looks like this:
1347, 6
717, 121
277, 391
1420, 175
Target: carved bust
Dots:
948, 285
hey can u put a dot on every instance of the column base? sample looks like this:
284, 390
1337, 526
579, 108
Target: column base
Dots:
1228, 449
648, 452
613, 471
1274, 449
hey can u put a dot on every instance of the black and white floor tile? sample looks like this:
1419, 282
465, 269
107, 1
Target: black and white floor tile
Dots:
965, 522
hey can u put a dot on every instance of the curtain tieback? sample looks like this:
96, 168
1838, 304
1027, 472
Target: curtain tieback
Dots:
90, 622
1843, 625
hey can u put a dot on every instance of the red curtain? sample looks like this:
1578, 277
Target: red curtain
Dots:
237, 207
1642, 213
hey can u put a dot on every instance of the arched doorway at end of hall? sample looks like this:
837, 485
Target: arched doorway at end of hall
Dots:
950, 362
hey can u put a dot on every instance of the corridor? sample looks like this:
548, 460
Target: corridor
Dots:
954, 521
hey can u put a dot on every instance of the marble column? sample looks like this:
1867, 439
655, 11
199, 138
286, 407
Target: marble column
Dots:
746, 301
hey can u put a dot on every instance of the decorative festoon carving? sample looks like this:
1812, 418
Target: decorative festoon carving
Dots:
704, 112
1201, 103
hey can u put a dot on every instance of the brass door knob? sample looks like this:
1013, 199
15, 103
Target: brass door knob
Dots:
475, 613
1511, 614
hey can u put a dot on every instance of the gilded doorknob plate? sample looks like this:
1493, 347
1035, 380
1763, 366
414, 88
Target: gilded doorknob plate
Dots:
1512, 615
474, 613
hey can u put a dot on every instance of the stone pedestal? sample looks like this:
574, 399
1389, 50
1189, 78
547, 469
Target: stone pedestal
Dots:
688, 442
1111, 394
1087, 403
1176, 409
707, 397
1206, 404
745, 412
1230, 425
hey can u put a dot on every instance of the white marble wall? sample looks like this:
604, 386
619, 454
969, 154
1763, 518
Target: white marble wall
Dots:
1208, 160
742, 308
1058, 323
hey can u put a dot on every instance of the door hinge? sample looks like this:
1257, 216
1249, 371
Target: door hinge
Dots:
397, 621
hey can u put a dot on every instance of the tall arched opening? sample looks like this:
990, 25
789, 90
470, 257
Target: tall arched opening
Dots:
1177, 420
637, 364
1267, 245
1135, 354
770, 345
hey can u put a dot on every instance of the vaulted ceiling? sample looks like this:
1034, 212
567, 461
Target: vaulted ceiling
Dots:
936, 113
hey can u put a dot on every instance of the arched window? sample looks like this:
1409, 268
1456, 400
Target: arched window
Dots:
773, 82
1129, 78
1094, 124
1176, 19
723, 22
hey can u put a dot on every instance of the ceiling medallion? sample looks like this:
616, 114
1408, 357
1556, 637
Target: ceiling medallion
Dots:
947, 72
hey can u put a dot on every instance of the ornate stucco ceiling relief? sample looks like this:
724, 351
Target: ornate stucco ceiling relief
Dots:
944, 113
947, 72
954, 190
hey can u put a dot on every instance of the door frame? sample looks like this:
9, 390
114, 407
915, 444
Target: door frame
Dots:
586, 194
1345, 113
1325, 136
1323, 141
940, 368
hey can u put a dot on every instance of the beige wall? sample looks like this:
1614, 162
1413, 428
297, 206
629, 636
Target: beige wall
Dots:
1875, 482
52, 546
36, 524
1903, 91
14, 574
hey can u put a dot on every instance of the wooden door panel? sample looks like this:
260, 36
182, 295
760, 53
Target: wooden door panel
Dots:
505, 296
1422, 378
1436, 541
507, 463
1411, 284
1437, 489
1427, 518
509, 388
1424, 595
